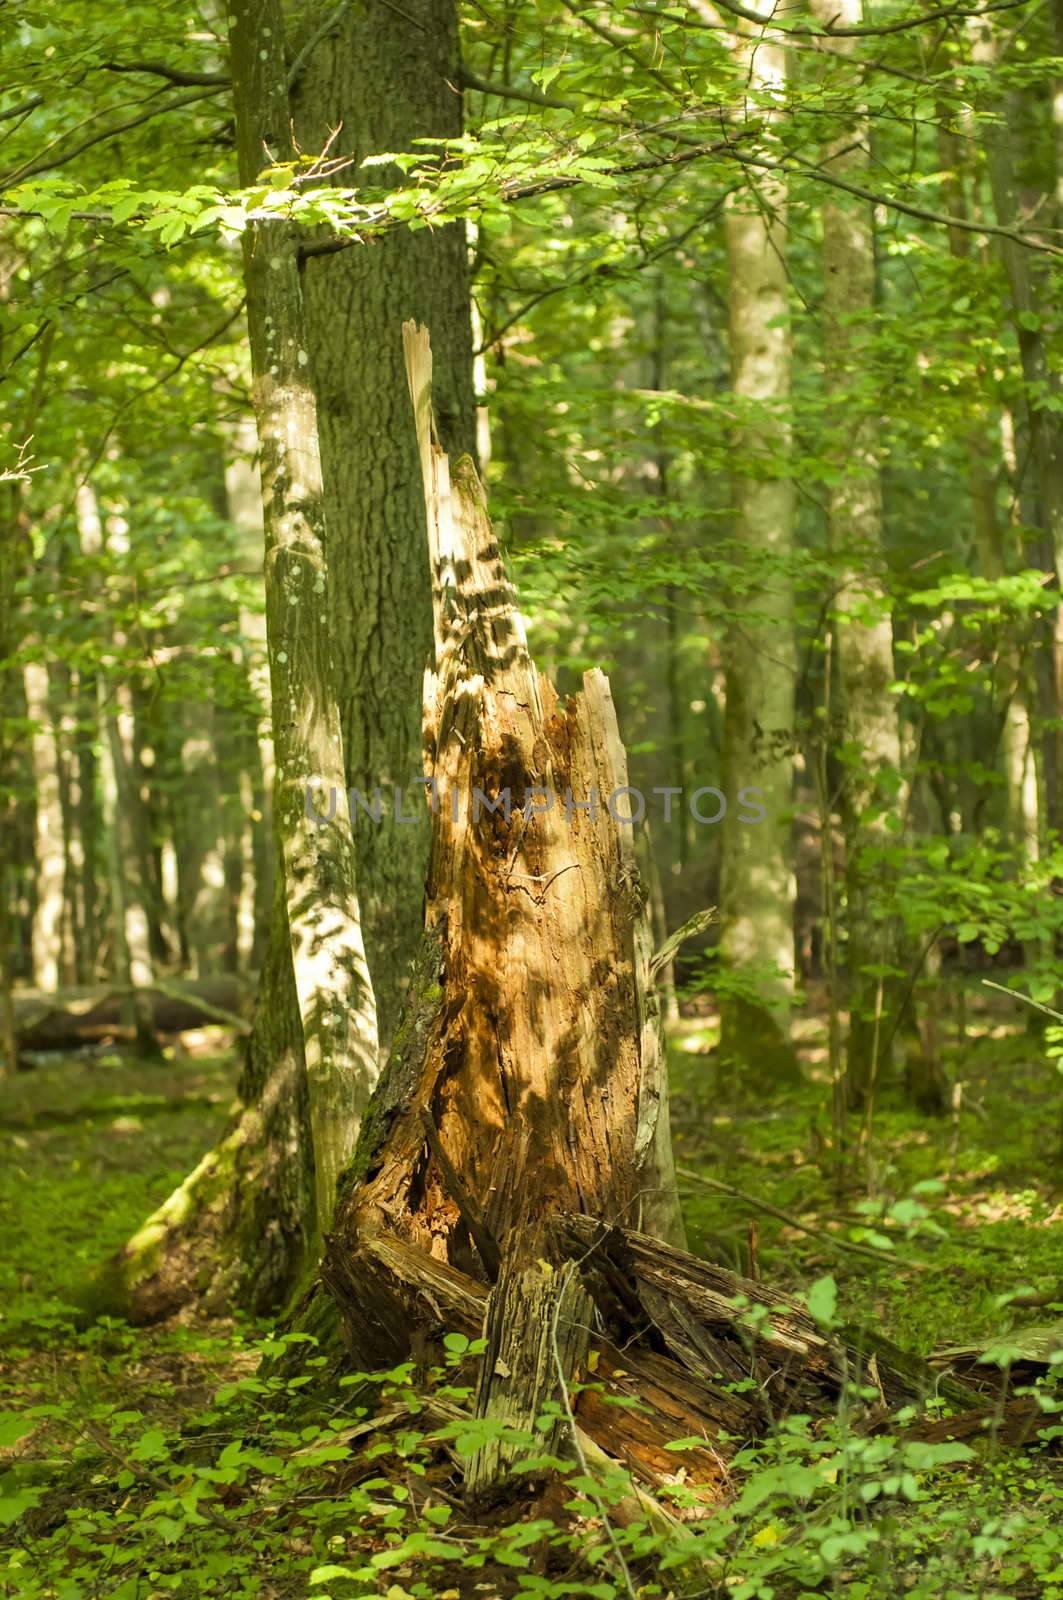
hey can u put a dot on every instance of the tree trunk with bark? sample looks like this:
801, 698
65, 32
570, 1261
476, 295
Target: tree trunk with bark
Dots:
372, 86
1029, 293
336, 1004
251, 1212
49, 855
133, 963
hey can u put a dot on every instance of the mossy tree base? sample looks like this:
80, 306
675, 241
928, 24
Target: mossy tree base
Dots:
239, 1231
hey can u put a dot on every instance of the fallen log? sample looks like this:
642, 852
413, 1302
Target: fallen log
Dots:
657, 1346
73, 1018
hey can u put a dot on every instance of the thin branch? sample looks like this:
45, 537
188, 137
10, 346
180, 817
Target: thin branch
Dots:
159, 69
794, 168
665, 247
314, 40
867, 30
23, 214
618, 42
25, 348
47, 165
675, 158
769, 1210
23, 109
513, 91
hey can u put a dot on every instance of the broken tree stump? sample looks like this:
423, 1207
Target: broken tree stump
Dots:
514, 1172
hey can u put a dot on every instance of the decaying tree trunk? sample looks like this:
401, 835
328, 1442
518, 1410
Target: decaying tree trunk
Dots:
514, 1170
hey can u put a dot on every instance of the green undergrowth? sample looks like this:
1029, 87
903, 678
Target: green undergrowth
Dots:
948, 1214
139, 1464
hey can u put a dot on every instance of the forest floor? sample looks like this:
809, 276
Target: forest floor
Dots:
138, 1464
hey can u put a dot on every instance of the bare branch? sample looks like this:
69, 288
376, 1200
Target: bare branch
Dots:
23, 108
800, 169
47, 164
22, 214
330, 22
513, 91
861, 31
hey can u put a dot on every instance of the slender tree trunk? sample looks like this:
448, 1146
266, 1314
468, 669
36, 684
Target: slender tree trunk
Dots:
90, 539
9, 567
335, 996
201, 836
65, 695
373, 85
244, 496
872, 793
129, 922
757, 891
1012, 677
49, 855
1028, 293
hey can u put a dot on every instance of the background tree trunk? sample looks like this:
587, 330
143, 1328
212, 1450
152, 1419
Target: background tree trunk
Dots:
49, 857
872, 789
757, 887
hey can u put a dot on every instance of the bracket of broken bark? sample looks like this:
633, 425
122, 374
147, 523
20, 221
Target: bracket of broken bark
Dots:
690, 930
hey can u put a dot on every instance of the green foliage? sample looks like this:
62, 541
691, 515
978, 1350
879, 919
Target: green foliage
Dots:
171, 1457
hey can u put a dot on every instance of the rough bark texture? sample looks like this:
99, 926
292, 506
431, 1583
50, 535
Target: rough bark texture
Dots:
758, 889
244, 498
383, 79
331, 979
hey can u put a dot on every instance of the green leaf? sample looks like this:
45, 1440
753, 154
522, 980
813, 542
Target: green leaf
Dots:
14, 1425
